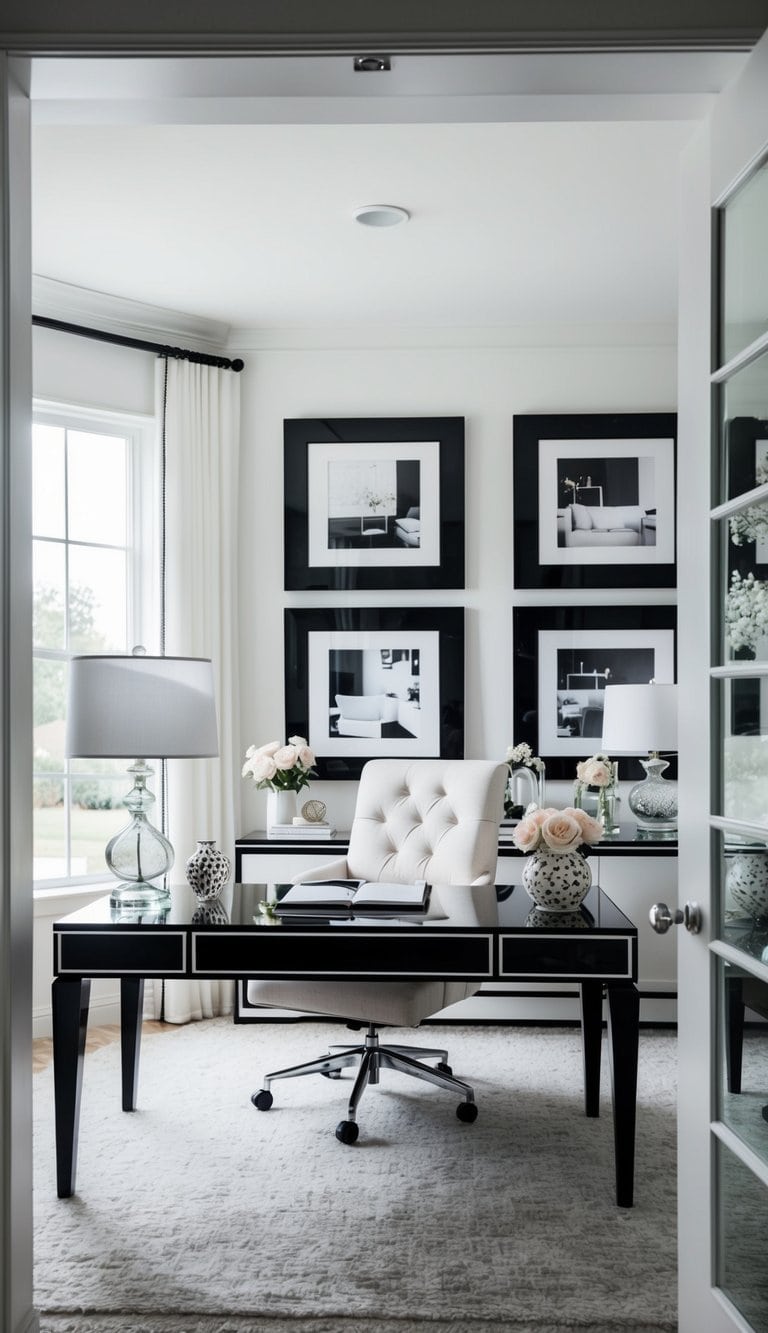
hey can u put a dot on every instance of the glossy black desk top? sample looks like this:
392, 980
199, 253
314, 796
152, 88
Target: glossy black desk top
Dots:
495, 908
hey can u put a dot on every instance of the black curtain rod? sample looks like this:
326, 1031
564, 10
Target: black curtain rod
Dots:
178, 353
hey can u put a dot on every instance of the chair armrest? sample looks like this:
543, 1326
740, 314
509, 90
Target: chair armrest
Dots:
333, 870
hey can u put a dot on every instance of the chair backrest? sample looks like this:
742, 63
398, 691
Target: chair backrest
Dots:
429, 819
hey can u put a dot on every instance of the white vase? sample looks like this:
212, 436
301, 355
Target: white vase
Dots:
281, 808
557, 881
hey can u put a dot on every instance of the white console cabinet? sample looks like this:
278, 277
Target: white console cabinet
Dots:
635, 873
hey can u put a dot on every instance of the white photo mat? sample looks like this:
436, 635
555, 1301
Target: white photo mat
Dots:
661, 457
550, 642
320, 645
321, 456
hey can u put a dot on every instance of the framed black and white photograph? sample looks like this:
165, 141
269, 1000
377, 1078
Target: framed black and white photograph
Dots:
564, 657
374, 503
594, 501
379, 682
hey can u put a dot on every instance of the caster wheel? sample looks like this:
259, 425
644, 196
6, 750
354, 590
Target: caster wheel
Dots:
443, 1068
467, 1111
262, 1100
347, 1131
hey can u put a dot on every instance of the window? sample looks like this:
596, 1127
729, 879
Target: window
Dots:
95, 583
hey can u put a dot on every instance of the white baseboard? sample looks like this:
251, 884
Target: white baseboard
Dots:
103, 1009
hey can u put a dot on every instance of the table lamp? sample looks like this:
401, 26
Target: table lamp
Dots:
121, 707
644, 717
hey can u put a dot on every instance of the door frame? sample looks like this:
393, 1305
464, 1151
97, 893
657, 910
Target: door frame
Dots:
44, 28
725, 150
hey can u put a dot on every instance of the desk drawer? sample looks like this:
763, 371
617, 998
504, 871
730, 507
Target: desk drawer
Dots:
146, 953
608, 956
345, 952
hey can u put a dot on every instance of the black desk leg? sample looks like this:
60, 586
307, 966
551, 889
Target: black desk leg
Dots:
623, 1037
592, 1042
69, 1003
131, 1006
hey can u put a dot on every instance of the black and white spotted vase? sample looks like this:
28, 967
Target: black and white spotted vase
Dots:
746, 882
557, 881
207, 871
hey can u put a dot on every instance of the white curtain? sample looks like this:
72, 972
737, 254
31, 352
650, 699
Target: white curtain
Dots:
202, 436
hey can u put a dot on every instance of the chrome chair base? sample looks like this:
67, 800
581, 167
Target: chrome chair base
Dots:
372, 1057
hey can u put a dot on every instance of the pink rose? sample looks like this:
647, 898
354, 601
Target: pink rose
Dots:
262, 768
526, 833
285, 757
591, 829
270, 748
595, 772
561, 832
298, 741
306, 756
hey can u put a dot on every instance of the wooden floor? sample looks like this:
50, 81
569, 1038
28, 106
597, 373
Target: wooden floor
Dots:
42, 1048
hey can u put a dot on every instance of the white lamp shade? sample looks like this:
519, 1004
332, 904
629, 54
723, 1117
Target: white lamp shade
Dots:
639, 718
141, 707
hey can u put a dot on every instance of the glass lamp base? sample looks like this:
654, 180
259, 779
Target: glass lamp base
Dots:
139, 895
653, 801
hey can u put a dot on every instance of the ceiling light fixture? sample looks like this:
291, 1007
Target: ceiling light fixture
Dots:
372, 64
381, 215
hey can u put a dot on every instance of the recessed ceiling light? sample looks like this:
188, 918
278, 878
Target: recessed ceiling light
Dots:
381, 215
372, 64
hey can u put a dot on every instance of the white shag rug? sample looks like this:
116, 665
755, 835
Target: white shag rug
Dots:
198, 1214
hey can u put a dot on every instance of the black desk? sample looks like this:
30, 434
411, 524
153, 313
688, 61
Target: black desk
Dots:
490, 934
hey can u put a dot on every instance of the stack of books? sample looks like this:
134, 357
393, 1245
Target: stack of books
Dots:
305, 832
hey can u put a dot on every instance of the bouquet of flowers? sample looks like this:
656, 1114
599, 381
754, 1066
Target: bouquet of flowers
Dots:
517, 757
279, 767
552, 830
746, 611
522, 754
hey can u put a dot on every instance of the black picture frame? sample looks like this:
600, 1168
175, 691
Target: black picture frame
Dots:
561, 723
348, 654
551, 455
415, 464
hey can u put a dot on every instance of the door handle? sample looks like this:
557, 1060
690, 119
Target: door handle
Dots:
662, 917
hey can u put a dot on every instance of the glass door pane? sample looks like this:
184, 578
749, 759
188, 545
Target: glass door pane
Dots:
745, 275
740, 779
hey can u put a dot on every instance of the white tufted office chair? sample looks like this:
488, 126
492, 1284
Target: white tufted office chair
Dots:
421, 819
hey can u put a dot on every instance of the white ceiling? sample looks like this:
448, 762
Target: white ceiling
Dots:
551, 220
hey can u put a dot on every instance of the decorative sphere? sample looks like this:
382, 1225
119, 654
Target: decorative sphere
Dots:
314, 811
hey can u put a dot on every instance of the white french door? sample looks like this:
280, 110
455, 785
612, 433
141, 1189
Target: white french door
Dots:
723, 579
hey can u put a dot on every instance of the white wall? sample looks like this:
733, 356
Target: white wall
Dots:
486, 385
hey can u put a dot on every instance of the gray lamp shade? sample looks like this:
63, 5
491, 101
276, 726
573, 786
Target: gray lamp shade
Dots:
141, 707
638, 719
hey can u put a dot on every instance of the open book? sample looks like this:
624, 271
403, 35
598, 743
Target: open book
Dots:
333, 897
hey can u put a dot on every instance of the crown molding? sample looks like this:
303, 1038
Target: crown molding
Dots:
401, 336
132, 319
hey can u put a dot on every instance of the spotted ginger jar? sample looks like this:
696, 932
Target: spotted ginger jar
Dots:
207, 871
557, 881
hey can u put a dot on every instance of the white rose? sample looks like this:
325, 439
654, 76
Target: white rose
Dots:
285, 757
561, 832
263, 768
